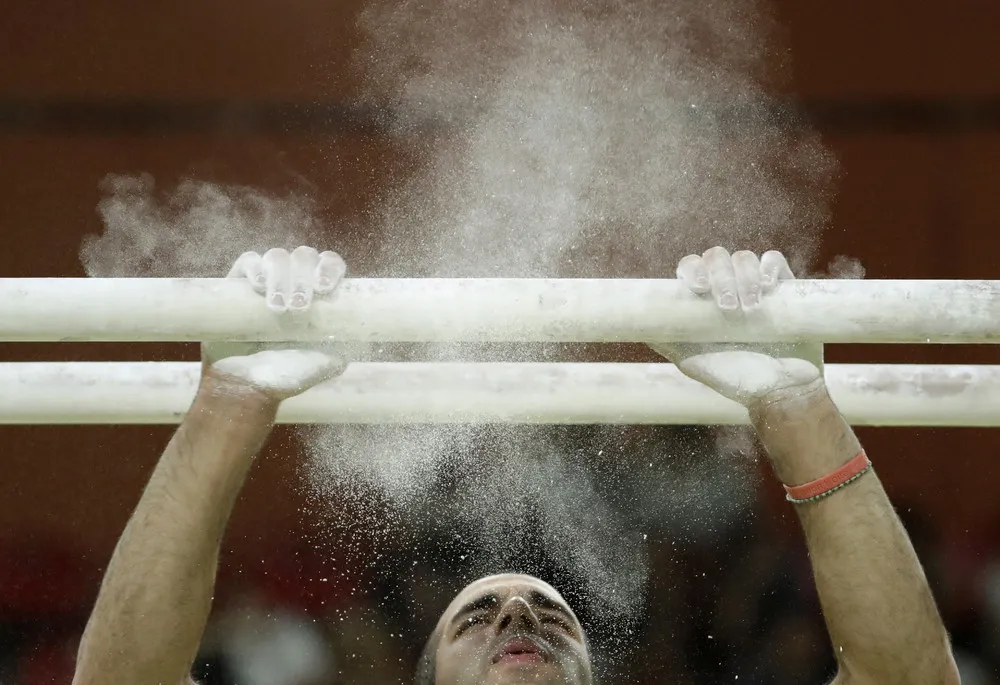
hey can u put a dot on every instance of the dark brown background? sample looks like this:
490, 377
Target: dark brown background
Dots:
906, 94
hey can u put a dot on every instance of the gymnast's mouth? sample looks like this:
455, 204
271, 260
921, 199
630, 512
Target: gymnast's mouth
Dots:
520, 650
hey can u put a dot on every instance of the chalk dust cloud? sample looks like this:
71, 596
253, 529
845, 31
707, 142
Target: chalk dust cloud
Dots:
589, 138
595, 139
567, 139
193, 229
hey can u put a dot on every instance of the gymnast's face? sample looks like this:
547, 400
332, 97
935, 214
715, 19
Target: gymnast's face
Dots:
509, 629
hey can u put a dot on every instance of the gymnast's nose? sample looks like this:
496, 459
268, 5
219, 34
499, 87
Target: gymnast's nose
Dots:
517, 614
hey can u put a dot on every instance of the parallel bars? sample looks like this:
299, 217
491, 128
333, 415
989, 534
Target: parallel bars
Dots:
499, 310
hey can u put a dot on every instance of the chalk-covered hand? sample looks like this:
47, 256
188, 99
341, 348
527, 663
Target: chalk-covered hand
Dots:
748, 374
289, 281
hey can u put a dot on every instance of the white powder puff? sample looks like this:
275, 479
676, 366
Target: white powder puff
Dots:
281, 371
745, 376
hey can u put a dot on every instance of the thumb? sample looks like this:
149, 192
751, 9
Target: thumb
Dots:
281, 374
746, 376
212, 352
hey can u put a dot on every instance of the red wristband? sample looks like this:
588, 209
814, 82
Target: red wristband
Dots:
830, 483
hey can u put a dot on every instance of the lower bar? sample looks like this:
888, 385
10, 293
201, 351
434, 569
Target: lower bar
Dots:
535, 393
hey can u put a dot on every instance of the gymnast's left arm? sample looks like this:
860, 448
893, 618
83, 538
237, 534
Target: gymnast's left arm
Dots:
881, 616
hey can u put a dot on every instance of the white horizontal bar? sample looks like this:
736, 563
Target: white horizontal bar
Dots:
160, 393
449, 310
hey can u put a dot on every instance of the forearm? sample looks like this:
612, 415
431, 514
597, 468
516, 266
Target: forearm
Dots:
882, 618
156, 595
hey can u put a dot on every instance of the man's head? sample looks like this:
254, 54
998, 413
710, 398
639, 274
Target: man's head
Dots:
506, 629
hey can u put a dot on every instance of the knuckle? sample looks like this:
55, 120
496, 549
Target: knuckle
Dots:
332, 266
692, 263
716, 252
331, 257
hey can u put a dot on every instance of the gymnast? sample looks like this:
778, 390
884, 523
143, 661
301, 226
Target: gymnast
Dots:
156, 595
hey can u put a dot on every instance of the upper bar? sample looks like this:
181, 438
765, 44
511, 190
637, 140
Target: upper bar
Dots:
498, 310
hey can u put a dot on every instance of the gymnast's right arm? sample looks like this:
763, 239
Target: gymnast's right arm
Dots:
155, 598
156, 595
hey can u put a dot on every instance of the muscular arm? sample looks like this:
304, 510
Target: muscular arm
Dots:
881, 616
156, 595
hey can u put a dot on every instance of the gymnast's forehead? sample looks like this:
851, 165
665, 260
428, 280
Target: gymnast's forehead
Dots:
502, 584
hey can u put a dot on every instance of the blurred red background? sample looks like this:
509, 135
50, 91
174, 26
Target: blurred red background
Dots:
906, 95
